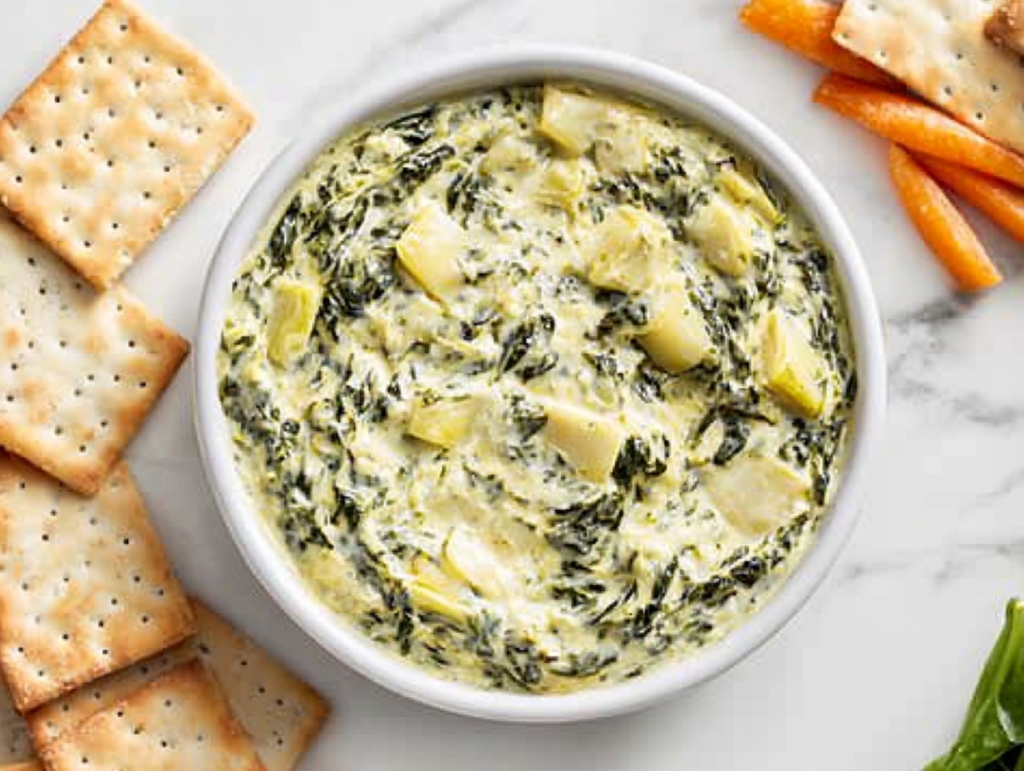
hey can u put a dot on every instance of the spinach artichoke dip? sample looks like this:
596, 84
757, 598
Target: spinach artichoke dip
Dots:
538, 387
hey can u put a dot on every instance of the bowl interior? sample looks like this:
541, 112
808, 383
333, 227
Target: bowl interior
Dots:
649, 83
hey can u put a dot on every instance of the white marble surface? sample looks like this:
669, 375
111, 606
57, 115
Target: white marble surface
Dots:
875, 671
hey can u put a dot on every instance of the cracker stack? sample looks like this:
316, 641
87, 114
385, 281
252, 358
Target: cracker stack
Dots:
278, 713
181, 718
93, 622
281, 713
106, 662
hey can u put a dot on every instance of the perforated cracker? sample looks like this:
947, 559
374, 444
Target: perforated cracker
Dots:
939, 49
281, 714
79, 371
108, 144
180, 721
85, 587
55, 718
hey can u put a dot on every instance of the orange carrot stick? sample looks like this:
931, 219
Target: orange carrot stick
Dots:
805, 26
1002, 203
940, 224
919, 127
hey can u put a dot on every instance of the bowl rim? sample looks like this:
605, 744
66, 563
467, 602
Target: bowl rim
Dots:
494, 67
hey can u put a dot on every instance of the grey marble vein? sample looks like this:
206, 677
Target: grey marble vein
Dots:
1005, 487
940, 564
925, 344
852, 571
970, 407
967, 555
932, 315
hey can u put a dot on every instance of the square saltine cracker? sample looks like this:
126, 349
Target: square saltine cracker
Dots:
79, 371
280, 712
939, 49
114, 138
85, 586
180, 721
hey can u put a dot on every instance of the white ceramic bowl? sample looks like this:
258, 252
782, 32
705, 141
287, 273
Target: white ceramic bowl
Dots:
491, 68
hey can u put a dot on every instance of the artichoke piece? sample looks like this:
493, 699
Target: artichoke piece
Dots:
587, 441
466, 558
676, 338
626, 249
445, 422
428, 250
295, 309
510, 154
724, 235
756, 493
622, 147
570, 119
793, 371
434, 591
749, 193
561, 184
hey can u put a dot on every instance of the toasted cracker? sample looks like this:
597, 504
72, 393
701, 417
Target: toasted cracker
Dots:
14, 733
109, 143
55, 718
280, 712
85, 587
79, 371
939, 49
182, 720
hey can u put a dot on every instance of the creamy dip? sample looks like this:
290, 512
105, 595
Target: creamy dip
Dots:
538, 388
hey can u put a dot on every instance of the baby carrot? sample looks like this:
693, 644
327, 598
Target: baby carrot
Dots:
940, 224
918, 127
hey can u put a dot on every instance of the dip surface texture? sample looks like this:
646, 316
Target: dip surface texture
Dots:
539, 388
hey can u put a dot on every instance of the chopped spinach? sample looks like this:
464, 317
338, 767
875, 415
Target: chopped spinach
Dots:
414, 128
815, 445
355, 284
624, 312
523, 348
526, 417
638, 457
285, 232
586, 664
734, 439
579, 527
645, 618
417, 167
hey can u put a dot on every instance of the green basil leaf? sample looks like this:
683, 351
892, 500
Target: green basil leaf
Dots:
994, 726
